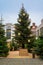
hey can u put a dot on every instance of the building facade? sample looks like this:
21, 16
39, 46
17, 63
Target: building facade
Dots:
39, 30
9, 30
33, 28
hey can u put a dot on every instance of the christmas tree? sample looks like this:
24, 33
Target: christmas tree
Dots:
39, 46
23, 35
3, 44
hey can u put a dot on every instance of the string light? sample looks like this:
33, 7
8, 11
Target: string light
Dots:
19, 20
36, 38
23, 14
29, 27
28, 40
31, 35
18, 33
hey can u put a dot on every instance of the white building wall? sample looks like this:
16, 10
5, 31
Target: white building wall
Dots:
38, 29
9, 26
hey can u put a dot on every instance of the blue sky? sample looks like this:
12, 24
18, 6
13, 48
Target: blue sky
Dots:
10, 9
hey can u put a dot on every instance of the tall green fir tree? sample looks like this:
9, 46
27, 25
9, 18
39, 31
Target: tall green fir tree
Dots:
3, 42
39, 46
23, 35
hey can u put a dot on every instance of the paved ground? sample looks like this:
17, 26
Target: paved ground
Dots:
15, 54
14, 59
20, 61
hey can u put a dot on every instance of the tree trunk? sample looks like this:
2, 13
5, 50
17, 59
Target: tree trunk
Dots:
23, 46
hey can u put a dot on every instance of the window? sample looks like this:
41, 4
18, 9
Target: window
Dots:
8, 33
41, 31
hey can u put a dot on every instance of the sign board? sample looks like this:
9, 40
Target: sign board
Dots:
23, 52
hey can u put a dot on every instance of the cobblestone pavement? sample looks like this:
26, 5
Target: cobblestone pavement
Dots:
20, 61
